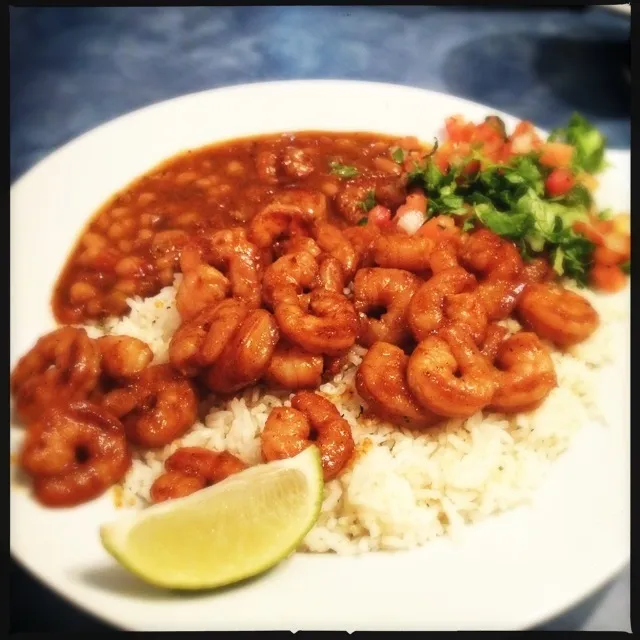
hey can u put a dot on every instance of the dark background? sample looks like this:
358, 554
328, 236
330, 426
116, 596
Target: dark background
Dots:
74, 68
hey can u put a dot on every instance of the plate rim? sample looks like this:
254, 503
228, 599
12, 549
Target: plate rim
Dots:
537, 618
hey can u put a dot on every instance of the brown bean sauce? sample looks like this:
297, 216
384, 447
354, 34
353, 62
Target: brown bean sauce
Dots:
131, 246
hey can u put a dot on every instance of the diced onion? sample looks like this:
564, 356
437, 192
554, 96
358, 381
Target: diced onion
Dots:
410, 221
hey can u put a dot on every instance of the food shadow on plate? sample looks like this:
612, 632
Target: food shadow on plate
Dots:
538, 77
117, 580
18, 479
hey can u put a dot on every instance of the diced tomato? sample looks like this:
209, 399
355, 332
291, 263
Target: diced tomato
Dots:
606, 256
522, 144
590, 231
524, 127
471, 168
416, 200
409, 143
380, 216
622, 223
524, 138
441, 160
556, 154
459, 130
607, 277
440, 228
487, 134
459, 153
603, 226
559, 182
619, 246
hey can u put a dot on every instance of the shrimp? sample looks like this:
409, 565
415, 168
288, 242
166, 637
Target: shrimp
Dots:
277, 221
448, 375
63, 365
289, 277
498, 263
230, 251
363, 240
310, 204
213, 466
385, 294
297, 244
333, 365
446, 299
156, 407
330, 326
494, 337
381, 380
349, 200
388, 192
330, 275
200, 288
537, 270
526, 374
557, 314
123, 356
74, 452
443, 257
326, 272
499, 297
190, 469
171, 485
486, 253
311, 419
292, 368
246, 356
199, 341
332, 241
402, 251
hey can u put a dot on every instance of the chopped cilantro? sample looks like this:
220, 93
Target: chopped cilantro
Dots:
588, 142
626, 267
362, 221
369, 201
510, 198
343, 170
398, 155
578, 196
510, 225
468, 224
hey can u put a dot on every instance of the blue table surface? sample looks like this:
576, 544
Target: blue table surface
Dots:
73, 68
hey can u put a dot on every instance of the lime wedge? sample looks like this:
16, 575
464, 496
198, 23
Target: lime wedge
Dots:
233, 530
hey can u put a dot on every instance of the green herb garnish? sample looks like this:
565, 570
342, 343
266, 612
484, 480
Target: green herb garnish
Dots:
343, 170
362, 221
510, 198
588, 142
369, 201
398, 155
626, 267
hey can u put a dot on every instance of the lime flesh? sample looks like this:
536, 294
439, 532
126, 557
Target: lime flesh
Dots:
233, 530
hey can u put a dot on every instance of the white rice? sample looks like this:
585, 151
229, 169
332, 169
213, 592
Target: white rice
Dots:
403, 488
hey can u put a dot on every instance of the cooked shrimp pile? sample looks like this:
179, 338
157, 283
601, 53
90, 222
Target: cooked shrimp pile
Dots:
280, 302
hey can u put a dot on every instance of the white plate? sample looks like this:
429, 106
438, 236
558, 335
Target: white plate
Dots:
511, 572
